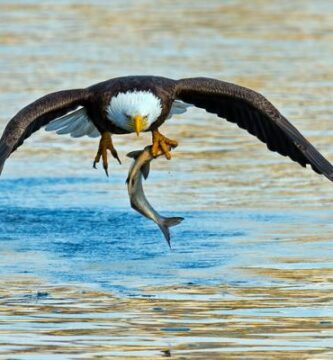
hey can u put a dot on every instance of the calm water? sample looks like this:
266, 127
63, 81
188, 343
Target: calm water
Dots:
250, 274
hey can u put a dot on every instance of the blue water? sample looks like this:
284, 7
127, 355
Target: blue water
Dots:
114, 248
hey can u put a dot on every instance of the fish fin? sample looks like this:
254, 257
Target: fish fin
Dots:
172, 221
134, 154
145, 170
166, 223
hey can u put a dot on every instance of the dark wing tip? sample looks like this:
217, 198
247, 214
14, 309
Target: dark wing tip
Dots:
4, 153
253, 112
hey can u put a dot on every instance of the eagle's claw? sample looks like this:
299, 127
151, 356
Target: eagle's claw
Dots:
162, 144
104, 145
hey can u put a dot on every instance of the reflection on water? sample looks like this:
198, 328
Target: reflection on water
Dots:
104, 283
226, 321
250, 273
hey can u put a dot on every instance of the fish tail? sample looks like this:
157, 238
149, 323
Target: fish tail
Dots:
166, 223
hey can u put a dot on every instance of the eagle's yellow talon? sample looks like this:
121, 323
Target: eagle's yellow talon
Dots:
165, 149
154, 149
115, 155
97, 158
105, 144
172, 143
162, 144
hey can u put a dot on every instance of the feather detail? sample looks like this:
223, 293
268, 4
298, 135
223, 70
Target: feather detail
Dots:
76, 123
178, 107
253, 112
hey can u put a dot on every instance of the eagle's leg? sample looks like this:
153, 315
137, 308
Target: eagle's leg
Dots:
105, 144
161, 144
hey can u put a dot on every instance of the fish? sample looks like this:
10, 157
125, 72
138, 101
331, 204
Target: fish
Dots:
140, 169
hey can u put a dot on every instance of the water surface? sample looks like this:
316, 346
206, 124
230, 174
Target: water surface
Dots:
250, 272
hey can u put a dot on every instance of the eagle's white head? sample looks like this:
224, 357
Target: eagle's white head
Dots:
134, 111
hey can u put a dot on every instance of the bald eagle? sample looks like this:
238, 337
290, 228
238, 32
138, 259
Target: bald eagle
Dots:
142, 103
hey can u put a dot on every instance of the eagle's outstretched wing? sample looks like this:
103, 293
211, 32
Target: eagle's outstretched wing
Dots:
38, 114
253, 112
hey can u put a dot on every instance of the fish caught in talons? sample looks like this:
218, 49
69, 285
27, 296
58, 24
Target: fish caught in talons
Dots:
105, 144
140, 168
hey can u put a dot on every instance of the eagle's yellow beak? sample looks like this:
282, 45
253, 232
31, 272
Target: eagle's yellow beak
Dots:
138, 124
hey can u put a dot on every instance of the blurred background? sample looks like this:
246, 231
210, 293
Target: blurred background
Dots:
251, 271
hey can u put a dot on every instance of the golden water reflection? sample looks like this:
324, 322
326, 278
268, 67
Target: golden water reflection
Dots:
187, 321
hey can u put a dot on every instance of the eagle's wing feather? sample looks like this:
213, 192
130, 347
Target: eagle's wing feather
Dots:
253, 112
39, 113
177, 108
76, 123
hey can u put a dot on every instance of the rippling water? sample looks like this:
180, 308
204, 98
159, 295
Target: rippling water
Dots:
250, 273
